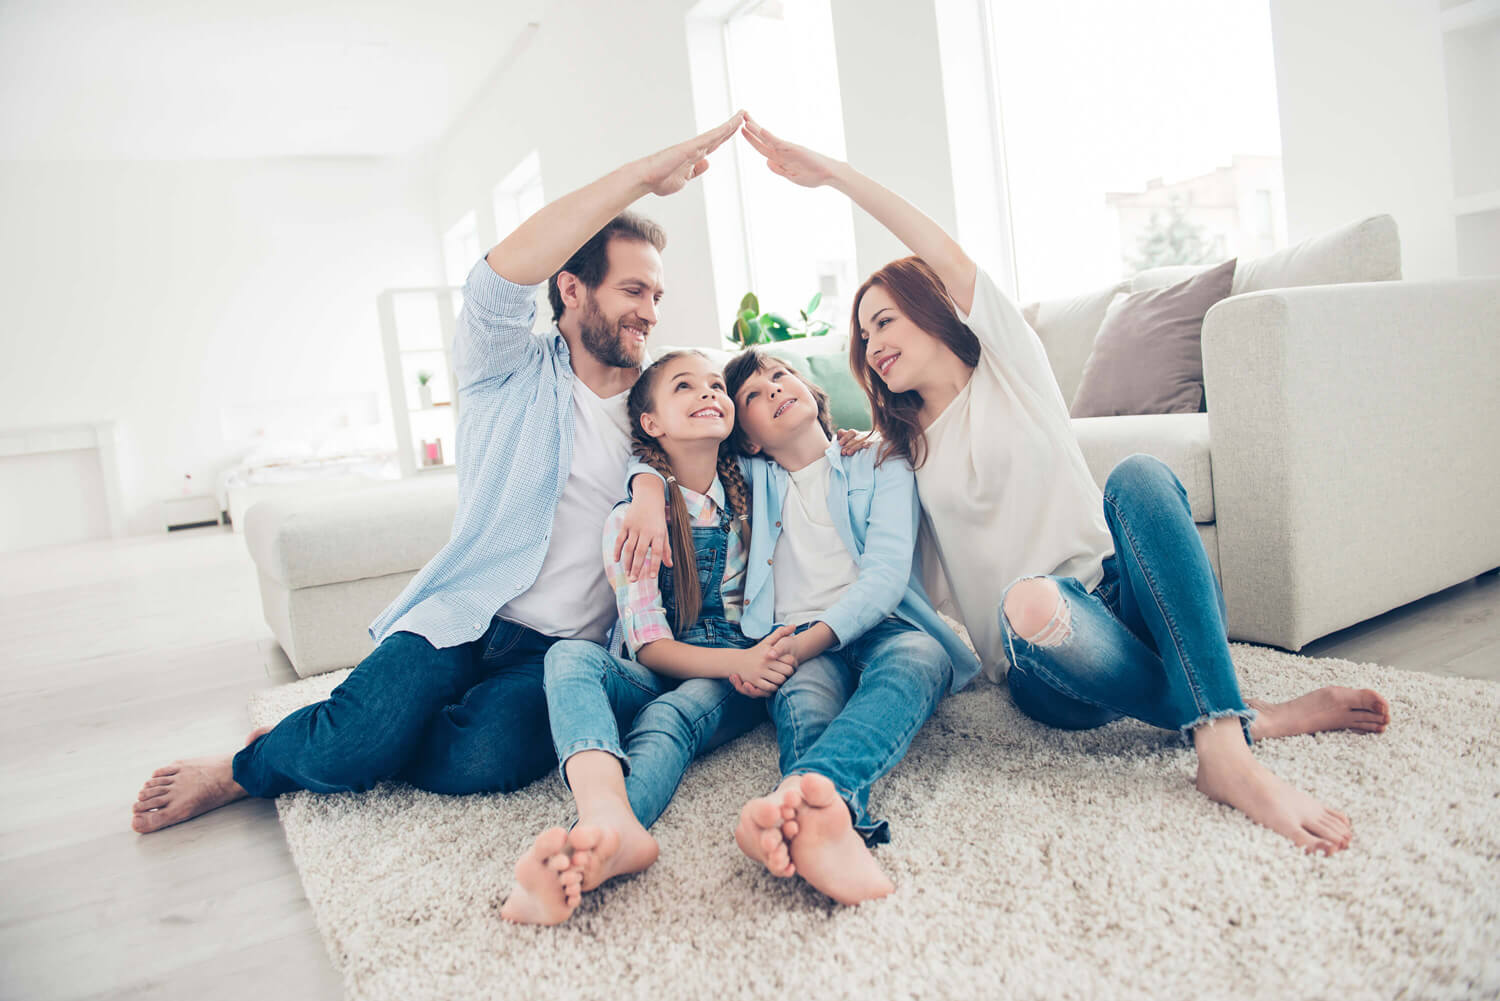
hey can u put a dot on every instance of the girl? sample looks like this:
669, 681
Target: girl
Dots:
831, 555
1104, 605
674, 699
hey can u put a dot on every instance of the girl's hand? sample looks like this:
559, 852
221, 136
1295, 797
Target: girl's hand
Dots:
642, 541
797, 164
851, 441
766, 665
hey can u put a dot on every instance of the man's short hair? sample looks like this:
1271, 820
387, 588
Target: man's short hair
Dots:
590, 262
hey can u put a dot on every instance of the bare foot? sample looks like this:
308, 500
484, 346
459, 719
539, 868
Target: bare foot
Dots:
1329, 708
1228, 773
610, 845
547, 885
766, 824
187, 789
828, 852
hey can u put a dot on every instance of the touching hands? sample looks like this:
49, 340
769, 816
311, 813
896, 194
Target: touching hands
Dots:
851, 441
669, 170
797, 164
767, 664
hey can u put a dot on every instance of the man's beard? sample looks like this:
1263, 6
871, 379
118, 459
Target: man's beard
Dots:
600, 340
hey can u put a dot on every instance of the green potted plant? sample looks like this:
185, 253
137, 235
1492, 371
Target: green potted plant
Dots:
751, 326
424, 391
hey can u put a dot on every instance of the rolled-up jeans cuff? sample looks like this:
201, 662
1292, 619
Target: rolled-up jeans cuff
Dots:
589, 744
1246, 717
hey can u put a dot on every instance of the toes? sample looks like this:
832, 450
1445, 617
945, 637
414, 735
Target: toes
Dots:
818, 791
764, 812
154, 802
770, 841
549, 842
584, 837
789, 829
559, 862
165, 770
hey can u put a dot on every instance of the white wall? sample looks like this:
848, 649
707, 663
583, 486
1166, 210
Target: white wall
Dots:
157, 294
1364, 125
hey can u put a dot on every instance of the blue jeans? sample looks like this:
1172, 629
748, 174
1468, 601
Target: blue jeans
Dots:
463, 719
850, 714
592, 696
1150, 642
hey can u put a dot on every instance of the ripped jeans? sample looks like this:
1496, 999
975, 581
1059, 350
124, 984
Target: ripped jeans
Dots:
1150, 642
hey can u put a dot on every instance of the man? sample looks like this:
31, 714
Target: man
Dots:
451, 698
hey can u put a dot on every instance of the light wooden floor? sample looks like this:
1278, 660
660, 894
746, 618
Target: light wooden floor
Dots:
120, 656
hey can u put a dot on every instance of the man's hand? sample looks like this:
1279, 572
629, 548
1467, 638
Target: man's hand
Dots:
642, 542
668, 171
766, 665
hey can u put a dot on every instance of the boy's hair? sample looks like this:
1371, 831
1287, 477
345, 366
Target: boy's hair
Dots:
752, 360
590, 262
688, 592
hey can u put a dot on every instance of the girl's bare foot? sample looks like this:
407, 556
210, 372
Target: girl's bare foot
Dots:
1228, 773
1329, 708
766, 824
610, 844
547, 885
828, 852
187, 789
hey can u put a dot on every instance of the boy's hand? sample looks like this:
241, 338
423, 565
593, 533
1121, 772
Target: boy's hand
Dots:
642, 542
766, 667
851, 441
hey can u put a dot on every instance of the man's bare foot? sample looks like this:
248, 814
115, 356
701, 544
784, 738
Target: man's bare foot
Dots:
765, 825
828, 852
610, 844
187, 789
1228, 773
1329, 708
547, 884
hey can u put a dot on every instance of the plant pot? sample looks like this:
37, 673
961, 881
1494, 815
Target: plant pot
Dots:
424, 394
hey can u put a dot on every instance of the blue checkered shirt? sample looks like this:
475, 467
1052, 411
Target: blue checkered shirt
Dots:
515, 447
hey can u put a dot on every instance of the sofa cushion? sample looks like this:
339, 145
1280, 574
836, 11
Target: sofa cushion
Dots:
1067, 328
1147, 358
385, 529
1365, 251
1179, 440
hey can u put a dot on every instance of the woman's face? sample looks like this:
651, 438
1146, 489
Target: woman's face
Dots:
690, 402
896, 349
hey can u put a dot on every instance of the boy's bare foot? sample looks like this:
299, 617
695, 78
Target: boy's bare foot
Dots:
547, 885
1228, 773
187, 789
609, 845
765, 825
1331, 708
828, 852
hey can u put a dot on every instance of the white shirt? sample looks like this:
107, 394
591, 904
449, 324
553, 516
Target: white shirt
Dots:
571, 598
812, 567
1005, 488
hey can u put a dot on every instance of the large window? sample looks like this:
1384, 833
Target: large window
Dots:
1135, 135
518, 196
460, 249
769, 236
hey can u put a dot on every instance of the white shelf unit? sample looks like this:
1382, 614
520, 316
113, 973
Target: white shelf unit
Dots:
1471, 58
416, 327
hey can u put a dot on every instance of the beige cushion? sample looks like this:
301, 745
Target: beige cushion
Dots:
1179, 440
1365, 251
1169, 274
1067, 328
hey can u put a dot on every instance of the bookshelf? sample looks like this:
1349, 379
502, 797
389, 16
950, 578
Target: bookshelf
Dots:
416, 326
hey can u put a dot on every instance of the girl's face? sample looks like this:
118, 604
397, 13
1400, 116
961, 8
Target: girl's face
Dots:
774, 407
896, 348
689, 402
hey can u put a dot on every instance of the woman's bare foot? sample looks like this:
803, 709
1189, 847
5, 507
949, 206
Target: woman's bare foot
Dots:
610, 843
828, 852
765, 825
547, 884
1331, 708
1228, 773
187, 789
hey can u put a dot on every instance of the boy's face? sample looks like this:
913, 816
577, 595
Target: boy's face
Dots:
773, 407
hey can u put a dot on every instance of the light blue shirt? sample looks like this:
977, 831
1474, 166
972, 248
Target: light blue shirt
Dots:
515, 448
875, 511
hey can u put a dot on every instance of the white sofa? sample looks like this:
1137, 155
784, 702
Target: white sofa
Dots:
1348, 462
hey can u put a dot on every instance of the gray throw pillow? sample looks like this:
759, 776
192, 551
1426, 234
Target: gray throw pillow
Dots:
1148, 357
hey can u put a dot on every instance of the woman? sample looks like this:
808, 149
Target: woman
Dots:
1103, 605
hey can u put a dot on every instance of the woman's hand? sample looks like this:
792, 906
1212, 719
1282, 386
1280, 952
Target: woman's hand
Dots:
669, 170
851, 441
642, 541
797, 164
766, 665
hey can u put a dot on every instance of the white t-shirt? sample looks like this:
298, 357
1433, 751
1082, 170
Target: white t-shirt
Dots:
1005, 488
571, 598
812, 567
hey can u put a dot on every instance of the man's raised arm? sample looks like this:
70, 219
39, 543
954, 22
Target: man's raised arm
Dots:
544, 242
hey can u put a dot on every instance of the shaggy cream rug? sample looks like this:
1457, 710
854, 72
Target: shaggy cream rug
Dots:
1029, 863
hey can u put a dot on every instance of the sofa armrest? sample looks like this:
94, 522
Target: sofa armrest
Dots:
1356, 448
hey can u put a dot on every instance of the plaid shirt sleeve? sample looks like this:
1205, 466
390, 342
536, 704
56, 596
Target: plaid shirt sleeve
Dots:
643, 619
